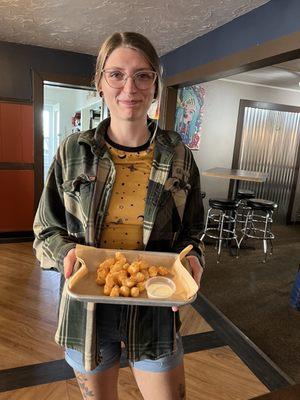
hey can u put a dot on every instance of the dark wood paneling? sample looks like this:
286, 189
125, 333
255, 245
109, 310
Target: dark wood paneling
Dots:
13, 101
18, 166
38, 103
170, 100
237, 144
79, 82
16, 133
16, 237
16, 200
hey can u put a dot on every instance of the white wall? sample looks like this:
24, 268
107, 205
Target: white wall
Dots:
70, 101
220, 113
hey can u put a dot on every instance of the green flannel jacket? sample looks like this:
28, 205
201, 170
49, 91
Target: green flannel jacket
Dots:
72, 209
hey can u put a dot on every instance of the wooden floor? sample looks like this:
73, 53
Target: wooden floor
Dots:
28, 299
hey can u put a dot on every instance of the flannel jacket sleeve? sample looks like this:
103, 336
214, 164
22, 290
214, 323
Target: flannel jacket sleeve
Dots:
52, 241
193, 219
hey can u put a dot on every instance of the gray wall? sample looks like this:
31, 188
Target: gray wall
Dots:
17, 61
220, 113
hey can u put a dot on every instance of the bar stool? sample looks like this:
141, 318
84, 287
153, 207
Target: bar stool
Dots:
242, 196
258, 223
222, 212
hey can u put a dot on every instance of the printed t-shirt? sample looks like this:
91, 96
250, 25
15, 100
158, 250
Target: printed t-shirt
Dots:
123, 223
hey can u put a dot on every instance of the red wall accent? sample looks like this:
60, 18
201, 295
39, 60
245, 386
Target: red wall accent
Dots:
16, 133
17, 186
17, 189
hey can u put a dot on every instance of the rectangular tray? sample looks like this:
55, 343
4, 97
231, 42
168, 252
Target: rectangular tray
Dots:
82, 285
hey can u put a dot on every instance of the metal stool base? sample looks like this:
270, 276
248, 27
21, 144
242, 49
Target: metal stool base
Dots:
221, 233
252, 231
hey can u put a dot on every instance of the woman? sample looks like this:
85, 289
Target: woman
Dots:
125, 185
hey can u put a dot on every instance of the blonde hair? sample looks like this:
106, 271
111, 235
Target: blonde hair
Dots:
137, 42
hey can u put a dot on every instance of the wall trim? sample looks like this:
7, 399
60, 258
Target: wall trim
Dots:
12, 100
265, 54
16, 166
15, 237
38, 81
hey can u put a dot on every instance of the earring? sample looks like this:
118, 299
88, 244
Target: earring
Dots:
101, 93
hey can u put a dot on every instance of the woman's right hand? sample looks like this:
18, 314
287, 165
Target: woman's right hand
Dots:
69, 262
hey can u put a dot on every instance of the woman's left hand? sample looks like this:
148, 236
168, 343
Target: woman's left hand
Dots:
197, 271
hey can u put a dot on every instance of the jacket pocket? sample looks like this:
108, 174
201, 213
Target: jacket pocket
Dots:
77, 194
178, 190
78, 185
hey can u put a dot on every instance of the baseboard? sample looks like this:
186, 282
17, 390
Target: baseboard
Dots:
15, 237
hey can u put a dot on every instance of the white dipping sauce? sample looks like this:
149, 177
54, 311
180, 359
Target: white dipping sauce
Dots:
159, 290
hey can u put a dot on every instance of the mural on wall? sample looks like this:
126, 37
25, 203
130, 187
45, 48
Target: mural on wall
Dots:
153, 111
189, 111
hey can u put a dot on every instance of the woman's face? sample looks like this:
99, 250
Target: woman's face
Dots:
127, 103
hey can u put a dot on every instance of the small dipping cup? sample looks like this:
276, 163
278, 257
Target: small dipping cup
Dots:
160, 287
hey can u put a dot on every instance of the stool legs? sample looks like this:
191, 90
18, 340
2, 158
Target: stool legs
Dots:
265, 243
221, 225
268, 235
264, 233
206, 224
221, 233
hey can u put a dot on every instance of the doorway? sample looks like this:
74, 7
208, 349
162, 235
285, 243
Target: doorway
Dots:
66, 111
267, 140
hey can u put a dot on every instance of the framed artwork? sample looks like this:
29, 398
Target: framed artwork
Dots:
153, 111
189, 112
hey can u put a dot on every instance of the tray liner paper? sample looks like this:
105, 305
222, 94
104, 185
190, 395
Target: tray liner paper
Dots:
82, 285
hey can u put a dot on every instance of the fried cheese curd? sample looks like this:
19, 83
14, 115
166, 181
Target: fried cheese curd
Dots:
120, 278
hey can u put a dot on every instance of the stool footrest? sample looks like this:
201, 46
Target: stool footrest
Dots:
234, 236
266, 235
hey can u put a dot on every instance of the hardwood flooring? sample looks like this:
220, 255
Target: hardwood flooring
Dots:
28, 300
216, 374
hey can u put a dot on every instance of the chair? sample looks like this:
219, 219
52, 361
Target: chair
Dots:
258, 223
242, 196
221, 222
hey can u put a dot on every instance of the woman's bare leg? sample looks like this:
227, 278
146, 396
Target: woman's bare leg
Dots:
168, 385
100, 386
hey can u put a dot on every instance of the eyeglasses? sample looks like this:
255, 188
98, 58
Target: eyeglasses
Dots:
116, 79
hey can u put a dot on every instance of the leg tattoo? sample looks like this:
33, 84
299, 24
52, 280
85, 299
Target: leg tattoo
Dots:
82, 382
181, 392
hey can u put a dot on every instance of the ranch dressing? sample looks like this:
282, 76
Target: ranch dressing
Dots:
159, 290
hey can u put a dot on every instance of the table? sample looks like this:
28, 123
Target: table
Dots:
286, 393
237, 175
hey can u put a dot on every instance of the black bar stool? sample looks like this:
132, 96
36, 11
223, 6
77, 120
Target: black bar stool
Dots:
221, 222
243, 195
258, 223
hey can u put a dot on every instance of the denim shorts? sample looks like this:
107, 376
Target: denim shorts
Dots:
111, 347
